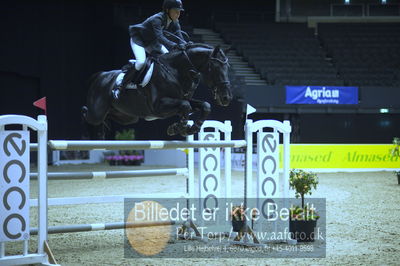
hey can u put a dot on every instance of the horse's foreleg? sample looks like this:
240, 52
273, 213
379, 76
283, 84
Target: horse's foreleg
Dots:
205, 109
178, 107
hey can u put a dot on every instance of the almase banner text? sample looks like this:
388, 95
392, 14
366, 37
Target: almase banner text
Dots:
342, 156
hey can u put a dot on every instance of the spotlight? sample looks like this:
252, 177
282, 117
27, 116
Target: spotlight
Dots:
383, 110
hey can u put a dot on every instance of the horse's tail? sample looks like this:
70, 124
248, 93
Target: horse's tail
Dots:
92, 113
89, 84
84, 112
85, 124
98, 102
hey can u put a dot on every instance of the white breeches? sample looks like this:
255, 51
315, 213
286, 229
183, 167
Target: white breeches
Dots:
140, 54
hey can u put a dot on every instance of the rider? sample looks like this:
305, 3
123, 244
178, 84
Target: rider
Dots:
148, 37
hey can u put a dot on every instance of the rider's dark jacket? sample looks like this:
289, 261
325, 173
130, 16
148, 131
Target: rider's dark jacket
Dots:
149, 34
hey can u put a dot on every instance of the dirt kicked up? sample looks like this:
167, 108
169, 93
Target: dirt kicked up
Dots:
362, 221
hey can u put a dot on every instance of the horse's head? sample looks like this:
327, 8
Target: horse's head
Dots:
216, 76
211, 63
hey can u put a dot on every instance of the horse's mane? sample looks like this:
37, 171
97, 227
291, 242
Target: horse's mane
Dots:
205, 46
172, 54
168, 56
200, 45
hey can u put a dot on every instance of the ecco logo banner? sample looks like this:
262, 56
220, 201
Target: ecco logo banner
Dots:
14, 185
210, 171
268, 169
321, 95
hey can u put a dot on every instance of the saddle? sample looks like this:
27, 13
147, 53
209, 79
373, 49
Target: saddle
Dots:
138, 78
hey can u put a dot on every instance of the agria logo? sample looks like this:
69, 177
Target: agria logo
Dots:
323, 96
324, 93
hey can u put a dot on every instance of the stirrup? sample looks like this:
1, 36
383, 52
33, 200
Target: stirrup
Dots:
116, 93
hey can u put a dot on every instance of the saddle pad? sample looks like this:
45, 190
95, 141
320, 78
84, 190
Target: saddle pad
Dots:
146, 79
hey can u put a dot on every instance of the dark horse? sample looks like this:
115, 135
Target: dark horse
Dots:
175, 77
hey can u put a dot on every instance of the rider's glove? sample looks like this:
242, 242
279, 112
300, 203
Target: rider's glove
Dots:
180, 46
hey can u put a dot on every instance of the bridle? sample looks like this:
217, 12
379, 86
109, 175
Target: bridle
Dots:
224, 83
197, 72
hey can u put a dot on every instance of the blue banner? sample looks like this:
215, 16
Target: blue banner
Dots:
321, 95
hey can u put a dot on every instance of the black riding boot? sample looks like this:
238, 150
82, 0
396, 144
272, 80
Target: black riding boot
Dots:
130, 76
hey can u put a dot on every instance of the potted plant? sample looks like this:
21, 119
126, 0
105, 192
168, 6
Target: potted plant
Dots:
395, 153
126, 134
303, 219
238, 218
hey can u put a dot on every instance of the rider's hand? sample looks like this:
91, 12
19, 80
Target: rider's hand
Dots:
180, 46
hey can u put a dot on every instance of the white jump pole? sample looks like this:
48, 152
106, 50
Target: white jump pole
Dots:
248, 179
228, 161
113, 174
75, 228
65, 145
42, 176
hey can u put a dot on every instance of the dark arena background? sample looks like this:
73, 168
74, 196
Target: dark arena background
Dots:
289, 59
51, 48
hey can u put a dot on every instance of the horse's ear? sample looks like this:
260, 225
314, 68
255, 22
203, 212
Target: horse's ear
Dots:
216, 51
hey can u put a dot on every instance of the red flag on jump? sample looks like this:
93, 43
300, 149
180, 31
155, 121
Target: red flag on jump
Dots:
41, 103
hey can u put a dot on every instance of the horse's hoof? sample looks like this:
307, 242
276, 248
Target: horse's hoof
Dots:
172, 130
194, 129
188, 130
184, 133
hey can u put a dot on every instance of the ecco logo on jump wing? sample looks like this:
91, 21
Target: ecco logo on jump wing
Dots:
14, 183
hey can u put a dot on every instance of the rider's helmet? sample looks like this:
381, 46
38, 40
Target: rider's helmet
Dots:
168, 4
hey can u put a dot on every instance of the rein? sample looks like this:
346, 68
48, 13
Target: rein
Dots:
197, 73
